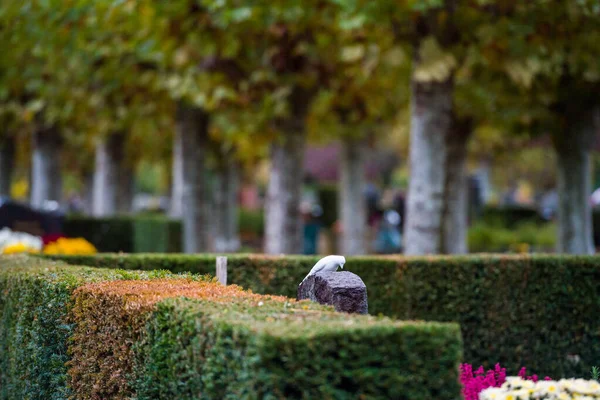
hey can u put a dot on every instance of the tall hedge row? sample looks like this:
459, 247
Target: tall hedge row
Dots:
147, 233
535, 311
35, 299
87, 333
157, 235
109, 234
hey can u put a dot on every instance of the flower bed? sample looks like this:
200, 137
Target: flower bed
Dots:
12, 242
517, 388
475, 382
70, 246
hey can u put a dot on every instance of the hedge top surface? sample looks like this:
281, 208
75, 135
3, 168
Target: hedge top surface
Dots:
152, 291
271, 315
22, 265
473, 257
277, 315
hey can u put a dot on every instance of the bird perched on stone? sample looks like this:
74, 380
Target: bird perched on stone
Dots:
327, 264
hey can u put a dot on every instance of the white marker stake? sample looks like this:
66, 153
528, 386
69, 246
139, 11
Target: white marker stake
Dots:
222, 270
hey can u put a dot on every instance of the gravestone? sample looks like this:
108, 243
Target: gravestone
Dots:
345, 291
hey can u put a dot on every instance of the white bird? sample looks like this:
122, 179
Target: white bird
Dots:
327, 264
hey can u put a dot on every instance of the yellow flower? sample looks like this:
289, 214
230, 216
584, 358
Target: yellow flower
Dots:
70, 246
18, 248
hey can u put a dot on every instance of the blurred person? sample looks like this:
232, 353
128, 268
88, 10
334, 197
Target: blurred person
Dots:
75, 203
549, 204
312, 225
399, 207
372, 200
389, 238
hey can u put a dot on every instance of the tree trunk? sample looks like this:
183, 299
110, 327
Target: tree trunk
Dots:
110, 175
176, 205
7, 163
283, 223
46, 180
105, 176
573, 150
455, 215
352, 198
125, 190
88, 193
431, 122
227, 238
192, 132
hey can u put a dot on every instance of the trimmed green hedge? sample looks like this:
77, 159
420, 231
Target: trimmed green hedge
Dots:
264, 354
79, 332
522, 238
157, 235
531, 311
110, 234
252, 222
146, 233
35, 297
510, 216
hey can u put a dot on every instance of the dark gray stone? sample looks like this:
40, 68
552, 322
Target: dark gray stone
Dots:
343, 290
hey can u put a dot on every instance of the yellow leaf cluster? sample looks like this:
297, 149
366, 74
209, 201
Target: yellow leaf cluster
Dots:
352, 53
435, 65
522, 72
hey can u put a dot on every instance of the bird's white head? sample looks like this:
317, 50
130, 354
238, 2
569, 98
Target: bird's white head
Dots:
341, 260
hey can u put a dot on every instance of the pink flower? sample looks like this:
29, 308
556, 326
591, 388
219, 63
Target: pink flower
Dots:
475, 383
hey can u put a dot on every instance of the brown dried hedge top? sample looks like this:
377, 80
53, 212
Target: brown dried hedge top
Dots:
109, 319
152, 291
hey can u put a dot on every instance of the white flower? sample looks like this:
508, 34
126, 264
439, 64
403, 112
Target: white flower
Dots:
580, 386
10, 238
492, 394
522, 394
527, 384
514, 381
548, 388
516, 388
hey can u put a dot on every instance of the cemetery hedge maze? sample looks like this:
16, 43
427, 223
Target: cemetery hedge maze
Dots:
71, 331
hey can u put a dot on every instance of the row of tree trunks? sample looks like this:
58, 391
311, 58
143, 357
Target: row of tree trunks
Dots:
437, 202
437, 207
